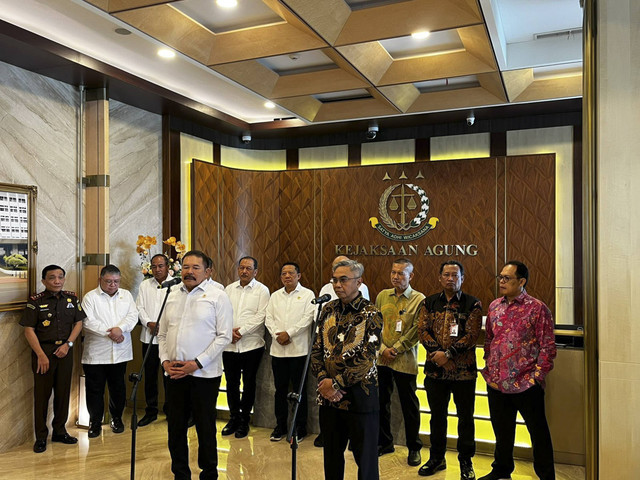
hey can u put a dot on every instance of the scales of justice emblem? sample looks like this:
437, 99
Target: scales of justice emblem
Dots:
403, 208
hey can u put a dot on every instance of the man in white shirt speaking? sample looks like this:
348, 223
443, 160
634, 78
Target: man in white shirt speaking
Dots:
289, 318
149, 301
195, 328
111, 315
242, 356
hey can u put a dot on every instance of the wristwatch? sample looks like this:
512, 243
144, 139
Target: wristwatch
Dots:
70, 344
447, 354
335, 385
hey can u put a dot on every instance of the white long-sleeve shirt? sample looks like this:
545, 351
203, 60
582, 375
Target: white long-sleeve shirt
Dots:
249, 310
328, 288
149, 301
292, 313
105, 312
196, 325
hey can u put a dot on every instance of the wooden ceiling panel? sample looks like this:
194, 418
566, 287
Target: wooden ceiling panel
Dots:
476, 42
345, 110
252, 74
454, 99
404, 18
517, 81
323, 81
328, 21
402, 96
551, 88
370, 59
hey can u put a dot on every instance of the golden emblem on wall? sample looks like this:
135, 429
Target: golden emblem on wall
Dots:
403, 207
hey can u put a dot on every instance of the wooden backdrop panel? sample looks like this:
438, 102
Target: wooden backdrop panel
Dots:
504, 206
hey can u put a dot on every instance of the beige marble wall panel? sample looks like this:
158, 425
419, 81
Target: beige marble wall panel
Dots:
395, 151
475, 145
135, 144
618, 171
38, 130
323, 157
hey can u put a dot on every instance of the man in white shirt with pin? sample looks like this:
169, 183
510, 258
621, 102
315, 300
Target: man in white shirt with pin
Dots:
289, 319
242, 356
111, 315
149, 302
195, 328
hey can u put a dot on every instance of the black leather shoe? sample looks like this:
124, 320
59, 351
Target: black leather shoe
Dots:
242, 430
495, 476
432, 466
318, 442
414, 459
64, 438
95, 429
466, 471
116, 425
147, 419
229, 428
386, 449
40, 446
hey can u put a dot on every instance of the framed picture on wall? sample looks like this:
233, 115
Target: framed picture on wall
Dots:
18, 245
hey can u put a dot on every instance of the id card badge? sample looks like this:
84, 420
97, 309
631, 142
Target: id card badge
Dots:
399, 326
453, 330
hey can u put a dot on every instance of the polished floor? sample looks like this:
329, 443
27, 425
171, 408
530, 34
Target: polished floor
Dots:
253, 457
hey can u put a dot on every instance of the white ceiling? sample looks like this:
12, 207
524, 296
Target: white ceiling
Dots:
512, 26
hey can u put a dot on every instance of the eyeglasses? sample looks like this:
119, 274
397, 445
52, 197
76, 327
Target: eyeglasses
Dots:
505, 278
341, 280
112, 282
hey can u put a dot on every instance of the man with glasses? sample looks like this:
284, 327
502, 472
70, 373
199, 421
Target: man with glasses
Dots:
149, 302
519, 350
397, 361
343, 359
450, 322
289, 318
242, 356
327, 289
111, 315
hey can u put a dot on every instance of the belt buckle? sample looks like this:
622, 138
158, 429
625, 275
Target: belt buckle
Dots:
59, 342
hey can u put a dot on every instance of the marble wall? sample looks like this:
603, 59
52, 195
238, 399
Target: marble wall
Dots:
38, 146
618, 235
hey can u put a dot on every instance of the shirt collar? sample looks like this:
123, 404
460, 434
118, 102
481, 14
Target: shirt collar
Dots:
297, 289
355, 304
102, 292
168, 279
519, 299
407, 293
457, 296
251, 284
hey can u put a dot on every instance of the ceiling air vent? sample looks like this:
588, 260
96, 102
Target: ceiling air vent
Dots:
559, 34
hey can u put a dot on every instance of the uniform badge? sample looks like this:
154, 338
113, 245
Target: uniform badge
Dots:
42, 307
31, 306
69, 305
46, 323
49, 315
68, 300
79, 307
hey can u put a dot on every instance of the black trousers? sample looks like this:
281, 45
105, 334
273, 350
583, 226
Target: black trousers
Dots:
340, 426
409, 403
196, 397
464, 396
503, 408
56, 380
151, 379
96, 376
288, 370
243, 364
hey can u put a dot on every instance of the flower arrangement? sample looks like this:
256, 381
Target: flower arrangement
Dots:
143, 247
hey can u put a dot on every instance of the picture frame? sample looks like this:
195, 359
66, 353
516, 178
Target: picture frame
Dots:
18, 245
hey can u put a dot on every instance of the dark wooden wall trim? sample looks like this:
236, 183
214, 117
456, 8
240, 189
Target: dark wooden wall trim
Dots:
578, 279
498, 144
354, 155
293, 159
423, 149
170, 180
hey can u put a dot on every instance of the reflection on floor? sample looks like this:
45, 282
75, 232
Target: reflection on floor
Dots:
253, 457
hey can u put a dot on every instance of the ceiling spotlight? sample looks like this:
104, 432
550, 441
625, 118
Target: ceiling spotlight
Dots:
269, 104
420, 35
166, 53
246, 139
372, 132
227, 3
471, 119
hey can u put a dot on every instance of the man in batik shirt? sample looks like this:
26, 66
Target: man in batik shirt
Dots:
343, 359
519, 350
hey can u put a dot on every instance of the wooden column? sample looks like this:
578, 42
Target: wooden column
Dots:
96, 181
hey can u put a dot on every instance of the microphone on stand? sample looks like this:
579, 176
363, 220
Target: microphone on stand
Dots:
324, 298
170, 283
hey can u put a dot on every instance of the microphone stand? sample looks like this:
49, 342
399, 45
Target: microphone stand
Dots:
135, 378
295, 397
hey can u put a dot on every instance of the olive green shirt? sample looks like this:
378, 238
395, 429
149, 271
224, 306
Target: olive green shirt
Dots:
403, 337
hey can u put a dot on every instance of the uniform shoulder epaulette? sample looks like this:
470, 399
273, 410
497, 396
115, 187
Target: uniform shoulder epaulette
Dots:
37, 295
70, 293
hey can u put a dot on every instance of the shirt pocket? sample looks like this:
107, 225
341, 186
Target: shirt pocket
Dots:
204, 315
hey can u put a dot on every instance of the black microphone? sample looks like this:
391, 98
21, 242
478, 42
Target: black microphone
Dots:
324, 298
170, 283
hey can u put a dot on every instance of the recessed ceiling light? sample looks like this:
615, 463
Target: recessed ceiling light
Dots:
166, 53
269, 104
122, 31
227, 3
420, 35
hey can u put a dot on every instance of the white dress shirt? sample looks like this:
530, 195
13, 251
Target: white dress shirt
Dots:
105, 312
196, 325
328, 288
292, 313
149, 301
249, 309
